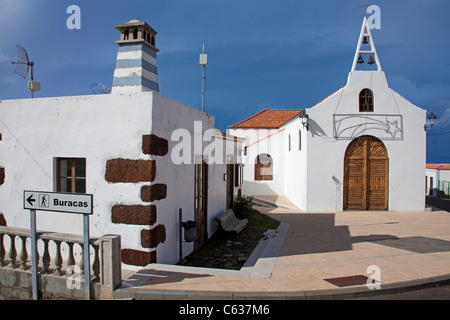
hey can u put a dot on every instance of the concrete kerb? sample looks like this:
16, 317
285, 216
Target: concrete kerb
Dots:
328, 294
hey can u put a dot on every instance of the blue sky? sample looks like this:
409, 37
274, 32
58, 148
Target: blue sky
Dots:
262, 53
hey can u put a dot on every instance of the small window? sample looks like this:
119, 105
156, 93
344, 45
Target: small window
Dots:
299, 140
135, 33
289, 142
238, 174
126, 36
366, 100
263, 167
71, 175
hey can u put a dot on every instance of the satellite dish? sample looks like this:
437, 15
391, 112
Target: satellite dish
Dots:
23, 62
98, 88
23, 65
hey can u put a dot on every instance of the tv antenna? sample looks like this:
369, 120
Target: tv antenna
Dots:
203, 63
23, 65
98, 88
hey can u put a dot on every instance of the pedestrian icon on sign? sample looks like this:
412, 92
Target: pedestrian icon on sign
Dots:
43, 200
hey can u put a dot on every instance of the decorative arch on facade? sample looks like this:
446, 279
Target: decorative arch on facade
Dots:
263, 167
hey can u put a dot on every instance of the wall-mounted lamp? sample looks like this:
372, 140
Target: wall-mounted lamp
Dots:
431, 119
304, 119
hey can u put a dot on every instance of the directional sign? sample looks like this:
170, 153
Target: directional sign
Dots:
58, 201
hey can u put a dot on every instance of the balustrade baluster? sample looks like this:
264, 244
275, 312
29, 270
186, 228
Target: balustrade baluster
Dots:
70, 260
96, 264
2, 252
46, 257
58, 258
23, 253
12, 251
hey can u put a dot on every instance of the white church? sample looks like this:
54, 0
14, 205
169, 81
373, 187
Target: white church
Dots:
361, 148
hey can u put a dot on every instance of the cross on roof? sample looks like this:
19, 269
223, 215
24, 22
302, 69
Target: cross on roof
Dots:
365, 7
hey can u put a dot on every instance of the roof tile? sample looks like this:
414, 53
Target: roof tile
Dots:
439, 166
268, 118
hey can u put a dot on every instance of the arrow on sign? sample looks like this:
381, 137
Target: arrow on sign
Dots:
31, 200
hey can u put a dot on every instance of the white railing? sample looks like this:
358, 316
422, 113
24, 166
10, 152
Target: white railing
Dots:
62, 255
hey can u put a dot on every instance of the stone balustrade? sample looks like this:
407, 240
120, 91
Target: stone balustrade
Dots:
61, 255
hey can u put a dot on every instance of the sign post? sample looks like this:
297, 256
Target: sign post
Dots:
34, 261
78, 203
87, 264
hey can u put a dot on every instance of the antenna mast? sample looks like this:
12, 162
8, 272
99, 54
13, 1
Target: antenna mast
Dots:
203, 63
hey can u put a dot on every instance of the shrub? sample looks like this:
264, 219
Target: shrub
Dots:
242, 207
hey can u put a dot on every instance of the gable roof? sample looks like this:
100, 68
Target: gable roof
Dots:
439, 166
268, 118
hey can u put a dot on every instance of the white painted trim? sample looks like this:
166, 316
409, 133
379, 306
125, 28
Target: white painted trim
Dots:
136, 55
135, 72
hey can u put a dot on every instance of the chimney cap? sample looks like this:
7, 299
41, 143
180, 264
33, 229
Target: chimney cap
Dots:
135, 23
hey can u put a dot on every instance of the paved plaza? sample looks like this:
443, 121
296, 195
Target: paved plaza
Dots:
317, 256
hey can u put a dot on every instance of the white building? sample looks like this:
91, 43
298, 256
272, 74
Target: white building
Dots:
119, 147
361, 148
437, 179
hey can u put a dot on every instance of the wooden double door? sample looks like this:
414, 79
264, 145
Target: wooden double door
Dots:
366, 175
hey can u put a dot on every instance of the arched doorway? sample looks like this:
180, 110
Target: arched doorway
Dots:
366, 175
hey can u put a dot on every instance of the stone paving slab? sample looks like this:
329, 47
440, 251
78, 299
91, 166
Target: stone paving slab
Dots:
411, 250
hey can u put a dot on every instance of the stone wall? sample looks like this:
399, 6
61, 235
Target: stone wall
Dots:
136, 171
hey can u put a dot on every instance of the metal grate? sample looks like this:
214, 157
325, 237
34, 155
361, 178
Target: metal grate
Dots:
348, 281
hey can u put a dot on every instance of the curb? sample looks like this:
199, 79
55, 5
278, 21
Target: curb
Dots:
328, 294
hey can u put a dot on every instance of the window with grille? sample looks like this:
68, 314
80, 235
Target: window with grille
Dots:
71, 175
366, 100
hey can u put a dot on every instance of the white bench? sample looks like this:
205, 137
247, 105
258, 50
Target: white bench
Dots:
229, 222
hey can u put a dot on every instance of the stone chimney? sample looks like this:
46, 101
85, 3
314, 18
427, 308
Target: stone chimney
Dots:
136, 68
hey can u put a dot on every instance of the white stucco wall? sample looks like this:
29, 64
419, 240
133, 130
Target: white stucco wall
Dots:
169, 115
96, 127
326, 156
259, 141
313, 177
431, 175
441, 179
295, 165
100, 128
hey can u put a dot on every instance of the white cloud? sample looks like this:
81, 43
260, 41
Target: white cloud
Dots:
444, 120
9, 79
3, 58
